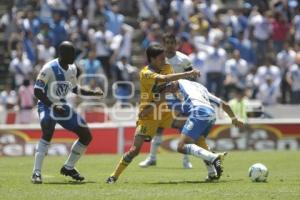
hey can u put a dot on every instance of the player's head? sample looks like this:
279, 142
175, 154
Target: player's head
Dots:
67, 52
169, 41
156, 55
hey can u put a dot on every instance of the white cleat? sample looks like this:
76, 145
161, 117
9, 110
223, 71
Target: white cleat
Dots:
187, 165
148, 162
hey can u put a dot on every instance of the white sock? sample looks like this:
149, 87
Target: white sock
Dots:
199, 152
40, 153
185, 158
210, 168
76, 152
156, 141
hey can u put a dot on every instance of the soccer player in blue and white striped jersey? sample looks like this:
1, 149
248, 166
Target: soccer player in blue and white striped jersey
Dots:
56, 79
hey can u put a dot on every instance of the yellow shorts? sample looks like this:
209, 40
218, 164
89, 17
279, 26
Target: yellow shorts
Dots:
148, 128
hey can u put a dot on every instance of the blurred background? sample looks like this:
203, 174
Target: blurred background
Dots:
245, 49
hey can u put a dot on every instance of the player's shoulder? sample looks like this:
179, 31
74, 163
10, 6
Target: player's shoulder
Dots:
181, 55
73, 68
49, 65
146, 72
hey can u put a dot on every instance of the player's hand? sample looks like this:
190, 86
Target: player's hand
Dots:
238, 123
193, 74
60, 110
98, 92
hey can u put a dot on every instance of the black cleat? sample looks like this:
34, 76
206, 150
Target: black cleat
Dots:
36, 178
217, 163
111, 180
72, 173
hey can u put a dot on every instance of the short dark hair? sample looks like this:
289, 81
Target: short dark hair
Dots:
153, 51
170, 36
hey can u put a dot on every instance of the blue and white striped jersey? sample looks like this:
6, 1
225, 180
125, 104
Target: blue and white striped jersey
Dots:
55, 81
196, 95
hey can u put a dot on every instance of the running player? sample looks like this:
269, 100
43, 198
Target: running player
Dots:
151, 76
180, 63
193, 100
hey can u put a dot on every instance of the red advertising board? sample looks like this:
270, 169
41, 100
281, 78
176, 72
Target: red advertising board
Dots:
117, 138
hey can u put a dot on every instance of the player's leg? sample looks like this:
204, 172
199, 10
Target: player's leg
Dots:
144, 132
155, 143
212, 173
178, 124
47, 125
187, 145
190, 134
127, 158
77, 125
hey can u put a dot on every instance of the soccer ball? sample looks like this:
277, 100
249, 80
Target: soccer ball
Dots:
258, 172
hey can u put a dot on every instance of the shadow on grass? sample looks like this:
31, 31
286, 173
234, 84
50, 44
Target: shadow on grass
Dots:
70, 183
191, 182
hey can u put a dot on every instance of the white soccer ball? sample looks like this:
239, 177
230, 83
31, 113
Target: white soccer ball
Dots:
258, 172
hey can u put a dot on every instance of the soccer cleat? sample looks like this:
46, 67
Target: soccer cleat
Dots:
187, 165
148, 162
217, 163
111, 180
211, 177
72, 173
36, 178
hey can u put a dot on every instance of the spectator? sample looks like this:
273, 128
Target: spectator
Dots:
184, 8
280, 31
261, 32
58, 28
26, 103
244, 46
236, 70
293, 78
121, 44
114, 20
148, 9
199, 24
31, 22
30, 44
285, 59
21, 68
268, 92
216, 58
239, 103
91, 68
45, 51
101, 40
267, 70
123, 73
8, 101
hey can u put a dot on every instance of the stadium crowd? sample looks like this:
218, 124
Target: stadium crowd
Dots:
249, 44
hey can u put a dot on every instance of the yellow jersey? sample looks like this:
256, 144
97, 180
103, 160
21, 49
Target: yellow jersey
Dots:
147, 83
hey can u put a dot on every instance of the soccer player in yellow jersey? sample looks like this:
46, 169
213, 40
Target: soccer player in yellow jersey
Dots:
151, 76
180, 63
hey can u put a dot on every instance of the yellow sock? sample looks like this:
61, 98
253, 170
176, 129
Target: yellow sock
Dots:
202, 143
120, 168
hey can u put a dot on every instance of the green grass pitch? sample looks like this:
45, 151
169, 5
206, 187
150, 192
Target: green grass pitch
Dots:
167, 180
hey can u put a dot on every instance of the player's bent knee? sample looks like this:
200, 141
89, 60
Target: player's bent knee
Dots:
85, 136
47, 131
180, 148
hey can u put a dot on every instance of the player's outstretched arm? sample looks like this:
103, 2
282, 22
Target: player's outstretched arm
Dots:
88, 92
174, 77
228, 110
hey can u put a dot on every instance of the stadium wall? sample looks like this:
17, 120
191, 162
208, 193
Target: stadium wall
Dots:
113, 138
